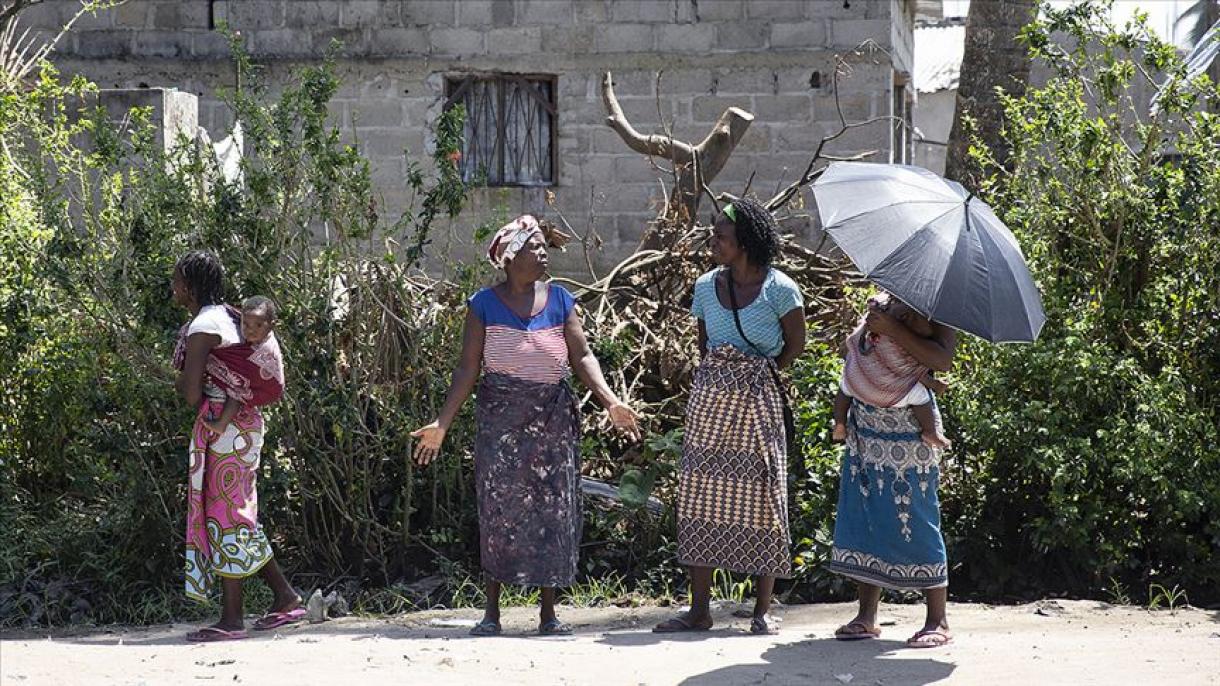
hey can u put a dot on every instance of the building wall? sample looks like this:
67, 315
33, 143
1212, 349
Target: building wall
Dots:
774, 58
933, 120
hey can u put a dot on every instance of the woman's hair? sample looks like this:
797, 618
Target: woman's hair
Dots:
204, 276
757, 231
261, 305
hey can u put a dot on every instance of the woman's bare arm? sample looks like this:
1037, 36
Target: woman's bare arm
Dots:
793, 326
474, 335
470, 364
934, 353
190, 379
584, 362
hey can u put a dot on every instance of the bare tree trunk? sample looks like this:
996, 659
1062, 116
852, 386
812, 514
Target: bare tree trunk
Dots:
694, 166
993, 57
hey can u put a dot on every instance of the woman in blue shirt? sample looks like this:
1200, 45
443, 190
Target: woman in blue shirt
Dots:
732, 483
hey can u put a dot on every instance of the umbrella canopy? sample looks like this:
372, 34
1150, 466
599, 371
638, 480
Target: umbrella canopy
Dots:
933, 245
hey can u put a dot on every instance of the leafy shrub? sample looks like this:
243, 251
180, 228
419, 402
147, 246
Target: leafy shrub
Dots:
1093, 455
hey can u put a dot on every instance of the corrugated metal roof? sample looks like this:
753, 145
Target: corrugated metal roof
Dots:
938, 56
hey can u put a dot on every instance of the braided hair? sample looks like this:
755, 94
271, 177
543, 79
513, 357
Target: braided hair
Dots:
204, 276
757, 231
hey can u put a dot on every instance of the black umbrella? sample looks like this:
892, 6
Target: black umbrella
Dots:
933, 245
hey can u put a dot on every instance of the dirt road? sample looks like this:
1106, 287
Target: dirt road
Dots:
1054, 642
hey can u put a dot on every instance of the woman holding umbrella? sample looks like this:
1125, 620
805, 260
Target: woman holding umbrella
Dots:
887, 532
944, 254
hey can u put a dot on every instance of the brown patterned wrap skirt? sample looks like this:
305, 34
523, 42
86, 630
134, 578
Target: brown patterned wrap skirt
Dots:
732, 483
527, 478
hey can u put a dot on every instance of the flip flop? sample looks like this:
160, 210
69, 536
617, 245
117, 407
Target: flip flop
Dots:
844, 633
938, 638
677, 625
554, 627
275, 620
760, 625
213, 634
486, 628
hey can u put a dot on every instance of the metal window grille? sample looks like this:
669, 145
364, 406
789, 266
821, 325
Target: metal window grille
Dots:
510, 128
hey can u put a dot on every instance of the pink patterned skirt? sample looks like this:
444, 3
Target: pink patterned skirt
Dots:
223, 537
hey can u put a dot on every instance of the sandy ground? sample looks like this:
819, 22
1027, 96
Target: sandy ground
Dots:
1052, 642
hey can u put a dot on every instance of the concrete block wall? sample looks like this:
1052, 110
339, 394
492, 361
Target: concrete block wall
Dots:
774, 58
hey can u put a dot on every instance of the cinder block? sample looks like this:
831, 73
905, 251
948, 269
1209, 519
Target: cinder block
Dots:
744, 81
472, 13
181, 15
805, 34
632, 83
386, 42
856, 9
642, 112
428, 12
791, 137
102, 44
605, 140
531, 12
209, 46
624, 37
243, 15
379, 113
708, 108
649, 11
281, 43
742, 35
354, 42
719, 10
687, 82
693, 38
134, 14
515, 41
783, 108
592, 12
162, 44
457, 42
848, 33
371, 13
775, 9
575, 84
311, 14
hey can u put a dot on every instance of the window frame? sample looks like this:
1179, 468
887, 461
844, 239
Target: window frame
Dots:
458, 84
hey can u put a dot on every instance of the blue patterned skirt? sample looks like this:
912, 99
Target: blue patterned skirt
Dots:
887, 531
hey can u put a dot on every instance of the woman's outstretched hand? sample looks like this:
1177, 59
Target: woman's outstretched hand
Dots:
429, 445
625, 419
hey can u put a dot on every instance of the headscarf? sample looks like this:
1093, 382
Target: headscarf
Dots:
509, 240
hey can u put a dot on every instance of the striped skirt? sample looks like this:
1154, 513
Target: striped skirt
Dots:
732, 483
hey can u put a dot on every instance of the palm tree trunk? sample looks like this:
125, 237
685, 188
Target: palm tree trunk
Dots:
992, 57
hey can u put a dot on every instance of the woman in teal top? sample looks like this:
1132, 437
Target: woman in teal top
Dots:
732, 481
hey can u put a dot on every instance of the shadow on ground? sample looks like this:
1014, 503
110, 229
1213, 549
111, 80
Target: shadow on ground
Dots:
827, 661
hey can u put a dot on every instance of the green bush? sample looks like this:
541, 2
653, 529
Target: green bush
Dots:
1091, 459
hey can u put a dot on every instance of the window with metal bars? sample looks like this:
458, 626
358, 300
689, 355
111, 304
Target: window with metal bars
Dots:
510, 128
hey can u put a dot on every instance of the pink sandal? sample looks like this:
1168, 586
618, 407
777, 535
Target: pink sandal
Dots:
936, 639
275, 620
214, 634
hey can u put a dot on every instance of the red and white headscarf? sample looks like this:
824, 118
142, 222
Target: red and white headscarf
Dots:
509, 240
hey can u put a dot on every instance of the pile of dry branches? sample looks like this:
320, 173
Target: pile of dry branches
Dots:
644, 301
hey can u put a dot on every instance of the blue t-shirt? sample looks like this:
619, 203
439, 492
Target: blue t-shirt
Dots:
760, 319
